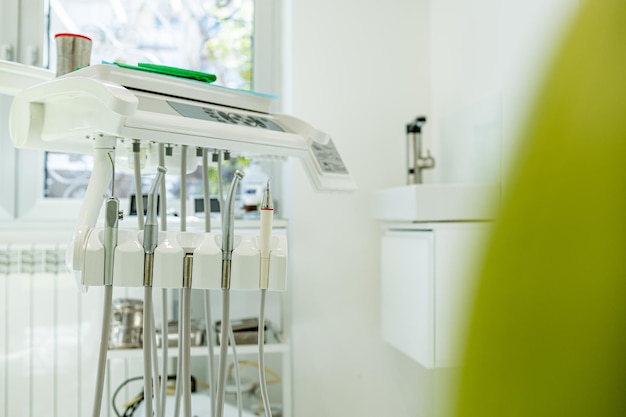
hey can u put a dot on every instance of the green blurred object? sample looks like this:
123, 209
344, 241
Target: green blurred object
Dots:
173, 71
548, 332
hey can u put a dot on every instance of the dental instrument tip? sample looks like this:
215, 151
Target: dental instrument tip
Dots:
162, 169
266, 203
239, 174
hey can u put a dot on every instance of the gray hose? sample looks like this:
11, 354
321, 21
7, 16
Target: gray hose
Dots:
209, 332
183, 228
155, 369
207, 293
233, 345
138, 192
183, 188
179, 364
186, 359
221, 376
164, 327
147, 353
206, 190
262, 379
104, 346
163, 193
164, 341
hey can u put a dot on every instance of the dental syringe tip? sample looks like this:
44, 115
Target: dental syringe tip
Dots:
266, 203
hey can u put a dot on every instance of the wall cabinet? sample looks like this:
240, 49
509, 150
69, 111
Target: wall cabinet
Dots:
428, 272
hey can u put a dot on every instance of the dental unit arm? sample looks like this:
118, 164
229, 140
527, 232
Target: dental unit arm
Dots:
95, 109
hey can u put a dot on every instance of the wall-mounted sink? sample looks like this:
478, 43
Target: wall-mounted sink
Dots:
436, 202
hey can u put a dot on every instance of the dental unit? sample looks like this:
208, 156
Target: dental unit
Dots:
105, 110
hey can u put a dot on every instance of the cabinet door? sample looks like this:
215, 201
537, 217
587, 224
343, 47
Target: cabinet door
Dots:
458, 254
407, 316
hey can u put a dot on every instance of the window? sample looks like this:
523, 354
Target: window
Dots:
212, 36
217, 36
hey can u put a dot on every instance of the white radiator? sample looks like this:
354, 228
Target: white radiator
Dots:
50, 332
49, 338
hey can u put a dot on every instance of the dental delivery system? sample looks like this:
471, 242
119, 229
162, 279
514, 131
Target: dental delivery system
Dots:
102, 110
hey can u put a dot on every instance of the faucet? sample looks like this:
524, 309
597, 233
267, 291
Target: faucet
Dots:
416, 163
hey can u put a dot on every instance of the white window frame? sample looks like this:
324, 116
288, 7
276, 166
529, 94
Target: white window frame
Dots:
7, 168
23, 208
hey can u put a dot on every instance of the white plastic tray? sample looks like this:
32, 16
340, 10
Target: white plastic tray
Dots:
177, 87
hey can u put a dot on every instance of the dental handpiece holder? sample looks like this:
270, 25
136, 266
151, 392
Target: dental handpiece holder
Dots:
169, 254
99, 109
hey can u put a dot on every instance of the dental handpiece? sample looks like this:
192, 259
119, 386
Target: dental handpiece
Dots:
265, 246
111, 220
151, 228
111, 223
267, 215
228, 230
150, 241
228, 220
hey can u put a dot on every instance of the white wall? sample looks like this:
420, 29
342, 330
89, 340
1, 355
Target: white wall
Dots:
488, 59
362, 70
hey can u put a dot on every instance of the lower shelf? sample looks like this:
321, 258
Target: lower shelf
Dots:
270, 348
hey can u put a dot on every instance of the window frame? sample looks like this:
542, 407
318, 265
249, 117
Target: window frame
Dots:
28, 209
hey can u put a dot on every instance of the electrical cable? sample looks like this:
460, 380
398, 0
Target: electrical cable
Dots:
117, 391
242, 364
276, 378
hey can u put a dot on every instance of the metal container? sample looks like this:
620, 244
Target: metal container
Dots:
126, 324
245, 331
196, 336
73, 52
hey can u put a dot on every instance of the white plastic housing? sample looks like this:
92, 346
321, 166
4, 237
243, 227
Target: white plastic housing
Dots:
128, 269
66, 113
